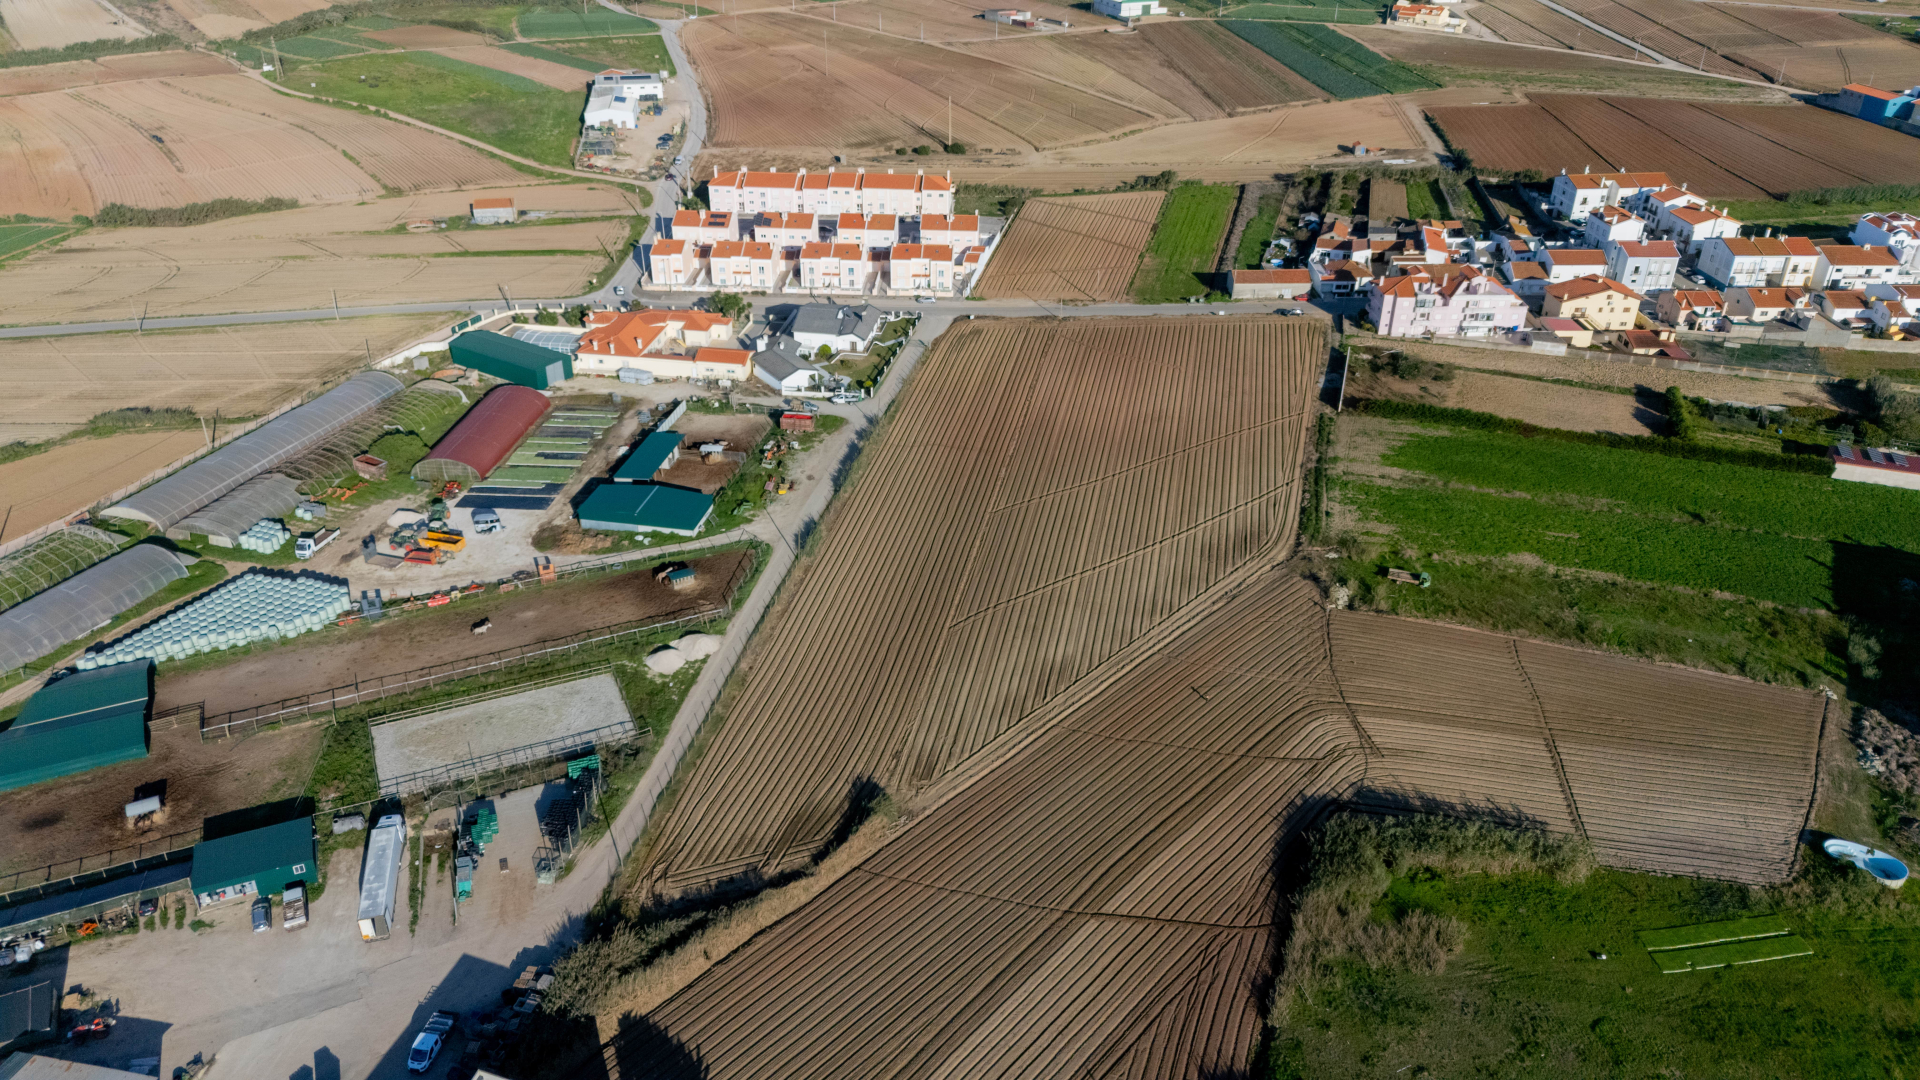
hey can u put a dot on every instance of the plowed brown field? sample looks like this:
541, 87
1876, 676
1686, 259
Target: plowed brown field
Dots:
544, 72
1041, 545
45, 77
786, 80
1728, 151
1096, 899
1081, 247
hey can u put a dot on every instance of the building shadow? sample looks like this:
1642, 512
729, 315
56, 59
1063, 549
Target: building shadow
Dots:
326, 1066
250, 818
1876, 588
643, 1049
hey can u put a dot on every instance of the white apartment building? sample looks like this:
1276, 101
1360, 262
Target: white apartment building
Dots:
868, 231
1899, 233
1613, 224
1574, 196
1565, 264
1778, 261
957, 232
830, 194
920, 268
835, 268
1643, 265
704, 226
674, 262
787, 233
1845, 266
742, 264
1691, 227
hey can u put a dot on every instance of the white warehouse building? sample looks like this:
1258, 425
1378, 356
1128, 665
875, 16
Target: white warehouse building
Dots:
615, 97
1128, 9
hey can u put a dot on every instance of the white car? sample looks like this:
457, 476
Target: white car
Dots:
426, 1047
845, 399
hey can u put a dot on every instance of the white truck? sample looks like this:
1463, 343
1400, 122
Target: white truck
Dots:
293, 907
308, 546
380, 877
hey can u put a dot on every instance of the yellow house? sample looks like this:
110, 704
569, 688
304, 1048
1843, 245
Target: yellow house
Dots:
1600, 303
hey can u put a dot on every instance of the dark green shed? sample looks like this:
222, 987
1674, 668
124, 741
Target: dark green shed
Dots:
257, 861
645, 507
84, 721
511, 359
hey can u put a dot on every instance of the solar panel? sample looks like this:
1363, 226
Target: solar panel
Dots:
1876, 456
1899, 459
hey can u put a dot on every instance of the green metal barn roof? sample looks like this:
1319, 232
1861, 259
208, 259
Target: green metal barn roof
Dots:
84, 721
645, 508
271, 856
505, 358
646, 458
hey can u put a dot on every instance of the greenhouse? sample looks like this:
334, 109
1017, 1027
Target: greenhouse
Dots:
51, 560
225, 519
84, 602
485, 437
259, 605
165, 503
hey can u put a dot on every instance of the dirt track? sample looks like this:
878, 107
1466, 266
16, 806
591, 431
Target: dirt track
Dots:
337, 657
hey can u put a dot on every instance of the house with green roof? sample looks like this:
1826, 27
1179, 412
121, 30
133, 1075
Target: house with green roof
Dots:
645, 507
85, 721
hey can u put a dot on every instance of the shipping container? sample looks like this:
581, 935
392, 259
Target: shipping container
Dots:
380, 877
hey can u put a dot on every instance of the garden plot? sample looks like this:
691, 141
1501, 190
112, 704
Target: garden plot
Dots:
1080, 247
555, 717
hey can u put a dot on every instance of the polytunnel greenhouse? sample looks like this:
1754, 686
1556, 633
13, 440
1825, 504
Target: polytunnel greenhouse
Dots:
69, 610
259, 605
165, 503
269, 495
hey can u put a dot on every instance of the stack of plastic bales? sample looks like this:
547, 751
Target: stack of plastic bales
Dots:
486, 826
310, 510
265, 536
259, 605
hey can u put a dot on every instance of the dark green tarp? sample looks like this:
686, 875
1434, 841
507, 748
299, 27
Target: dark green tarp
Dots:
84, 721
514, 361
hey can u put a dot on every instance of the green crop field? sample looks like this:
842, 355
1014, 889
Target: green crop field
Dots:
1699, 524
1352, 14
1424, 202
645, 53
595, 22
314, 47
541, 52
15, 239
1185, 241
1324, 57
515, 114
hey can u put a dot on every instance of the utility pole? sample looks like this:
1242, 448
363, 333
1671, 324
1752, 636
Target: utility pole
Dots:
336, 304
824, 52
949, 119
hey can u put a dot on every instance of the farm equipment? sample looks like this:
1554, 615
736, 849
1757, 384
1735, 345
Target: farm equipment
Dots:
293, 907
422, 557
1424, 580
444, 540
308, 546
98, 1028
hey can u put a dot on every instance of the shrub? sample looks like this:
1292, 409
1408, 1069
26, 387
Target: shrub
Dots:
118, 215
923, 150
1680, 419
546, 318
956, 148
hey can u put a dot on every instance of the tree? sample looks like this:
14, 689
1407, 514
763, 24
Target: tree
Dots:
732, 305
956, 148
824, 352
546, 318
1680, 418
923, 150
577, 315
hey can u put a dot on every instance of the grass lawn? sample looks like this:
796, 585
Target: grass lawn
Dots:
645, 53
516, 115
1259, 231
1529, 997
1185, 242
1355, 14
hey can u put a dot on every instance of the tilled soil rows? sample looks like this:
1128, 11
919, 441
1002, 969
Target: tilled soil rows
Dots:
1096, 896
1083, 247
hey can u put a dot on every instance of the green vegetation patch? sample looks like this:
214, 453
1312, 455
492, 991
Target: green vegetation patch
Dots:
1349, 14
551, 56
1676, 961
515, 114
595, 21
1324, 57
87, 50
15, 239
1259, 232
1185, 242
121, 216
1425, 202
1713, 933
315, 47
627, 53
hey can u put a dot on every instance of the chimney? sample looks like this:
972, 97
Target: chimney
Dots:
1585, 169
1683, 185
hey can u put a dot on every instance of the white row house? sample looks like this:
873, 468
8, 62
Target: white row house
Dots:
1644, 266
830, 194
1897, 232
1763, 261
1575, 196
1613, 224
1847, 266
1692, 226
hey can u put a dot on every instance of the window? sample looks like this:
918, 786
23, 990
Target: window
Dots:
300, 868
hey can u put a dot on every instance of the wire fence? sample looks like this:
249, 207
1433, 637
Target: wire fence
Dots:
561, 746
25, 885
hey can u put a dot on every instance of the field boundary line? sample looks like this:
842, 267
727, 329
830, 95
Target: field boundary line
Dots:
1371, 748
1546, 734
1813, 796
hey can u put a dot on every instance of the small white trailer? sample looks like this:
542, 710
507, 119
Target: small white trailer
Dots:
380, 877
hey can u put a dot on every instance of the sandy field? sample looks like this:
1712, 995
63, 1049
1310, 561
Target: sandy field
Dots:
81, 814
237, 370
1296, 135
67, 479
1079, 247
1572, 408
45, 77
491, 727
50, 24
544, 72
222, 136
1636, 373
418, 639
937, 20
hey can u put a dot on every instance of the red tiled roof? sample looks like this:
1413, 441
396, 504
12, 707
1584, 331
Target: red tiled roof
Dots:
1848, 255
1591, 285
669, 247
1868, 91
1651, 249
1576, 257
732, 357
493, 204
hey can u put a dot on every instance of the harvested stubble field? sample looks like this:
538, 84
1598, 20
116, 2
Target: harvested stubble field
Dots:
294, 261
81, 815
1095, 898
1532, 23
1295, 135
51, 24
1725, 150
544, 72
938, 20
775, 79
71, 152
236, 371
339, 656
45, 77
978, 596
1080, 247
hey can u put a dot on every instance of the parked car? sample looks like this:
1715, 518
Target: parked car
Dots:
619, 290
262, 914
1290, 311
845, 399
923, 299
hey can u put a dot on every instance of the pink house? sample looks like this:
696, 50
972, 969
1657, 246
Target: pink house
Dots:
1446, 301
